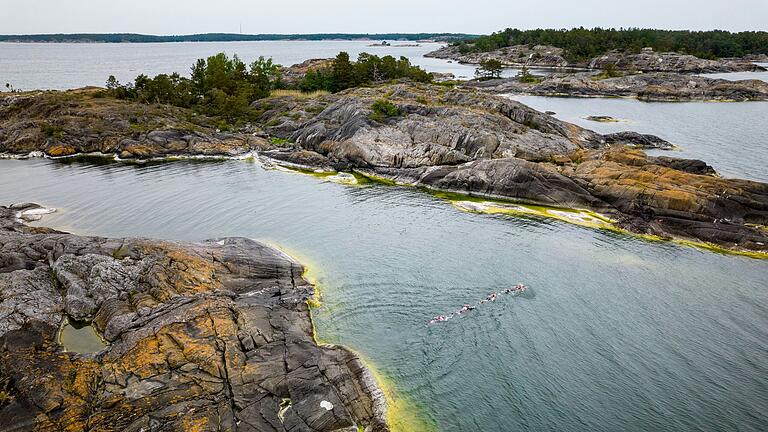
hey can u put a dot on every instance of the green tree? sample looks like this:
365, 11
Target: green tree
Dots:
219, 86
112, 83
264, 75
490, 68
343, 75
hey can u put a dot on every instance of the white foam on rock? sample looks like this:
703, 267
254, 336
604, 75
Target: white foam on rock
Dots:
327, 405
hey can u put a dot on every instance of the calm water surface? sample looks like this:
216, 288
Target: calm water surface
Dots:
621, 334
30, 66
730, 136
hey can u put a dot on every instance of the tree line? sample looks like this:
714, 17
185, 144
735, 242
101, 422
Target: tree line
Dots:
228, 37
342, 73
224, 87
581, 44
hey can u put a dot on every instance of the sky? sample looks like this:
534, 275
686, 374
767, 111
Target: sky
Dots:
384, 16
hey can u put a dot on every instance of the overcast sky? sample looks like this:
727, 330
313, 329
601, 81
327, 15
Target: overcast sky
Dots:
382, 16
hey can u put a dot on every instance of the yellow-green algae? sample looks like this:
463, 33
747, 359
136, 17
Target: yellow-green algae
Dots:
581, 217
350, 179
575, 216
402, 414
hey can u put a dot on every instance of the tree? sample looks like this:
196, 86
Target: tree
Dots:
219, 86
369, 68
264, 75
342, 73
488, 69
112, 83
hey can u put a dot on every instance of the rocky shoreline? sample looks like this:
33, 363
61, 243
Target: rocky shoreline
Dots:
645, 61
514, 56
471, 142
661, 87
214, 335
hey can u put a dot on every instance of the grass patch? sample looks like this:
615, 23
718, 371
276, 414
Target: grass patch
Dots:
298, 93
278, 141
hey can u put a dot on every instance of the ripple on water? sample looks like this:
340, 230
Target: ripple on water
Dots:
623, 334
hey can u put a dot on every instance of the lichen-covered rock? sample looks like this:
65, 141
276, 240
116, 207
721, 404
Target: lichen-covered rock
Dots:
675, 197
209, 336
63, 124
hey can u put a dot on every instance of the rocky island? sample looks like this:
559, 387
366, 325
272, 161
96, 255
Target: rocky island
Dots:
664, 87
437, 137
545, 56
214, 335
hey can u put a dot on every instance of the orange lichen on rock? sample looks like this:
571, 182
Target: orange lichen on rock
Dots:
61, 150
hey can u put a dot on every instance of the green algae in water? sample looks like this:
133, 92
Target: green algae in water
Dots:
80, 337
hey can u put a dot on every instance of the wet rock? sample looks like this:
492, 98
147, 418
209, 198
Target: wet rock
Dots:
602, 119
634, 139
202, 336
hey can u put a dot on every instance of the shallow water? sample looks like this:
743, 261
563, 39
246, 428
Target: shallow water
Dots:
622, 334
32, 66
730, 136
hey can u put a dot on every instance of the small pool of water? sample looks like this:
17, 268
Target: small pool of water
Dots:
80, 337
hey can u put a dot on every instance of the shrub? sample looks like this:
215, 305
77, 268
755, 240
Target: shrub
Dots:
526, 76
383, 109
52, 131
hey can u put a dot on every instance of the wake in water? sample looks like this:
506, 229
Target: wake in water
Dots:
515, 291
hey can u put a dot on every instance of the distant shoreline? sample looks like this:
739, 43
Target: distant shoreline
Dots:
230, 37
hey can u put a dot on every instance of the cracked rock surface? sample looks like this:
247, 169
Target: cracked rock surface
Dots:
202, 336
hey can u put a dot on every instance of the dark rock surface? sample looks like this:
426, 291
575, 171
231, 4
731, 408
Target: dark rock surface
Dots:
638, 140
670, 196
202, 336
647, 86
